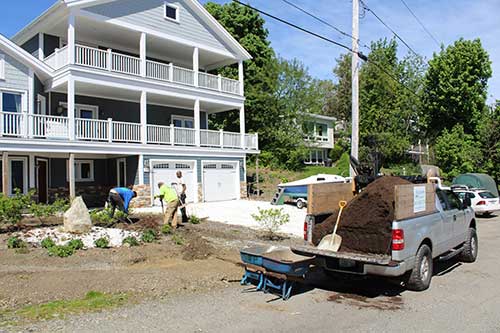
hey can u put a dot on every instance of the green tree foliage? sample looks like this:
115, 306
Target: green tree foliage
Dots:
455, 89
488, 136
456, 152
339, 97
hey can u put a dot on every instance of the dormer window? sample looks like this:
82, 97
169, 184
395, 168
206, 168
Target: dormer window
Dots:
171, 12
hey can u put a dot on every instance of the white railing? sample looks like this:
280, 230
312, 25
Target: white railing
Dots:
210, 138
12, 123
232, 140
184, 136
159, 134
122, 63
183, 75
126, 132
159, 71
58, 59
230, 85
209, 81
92, 129
251, 141
49, 127
91, 57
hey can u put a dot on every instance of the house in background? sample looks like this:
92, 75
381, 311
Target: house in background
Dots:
96, 94
320, 138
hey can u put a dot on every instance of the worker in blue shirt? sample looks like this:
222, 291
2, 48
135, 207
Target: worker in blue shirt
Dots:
120, 197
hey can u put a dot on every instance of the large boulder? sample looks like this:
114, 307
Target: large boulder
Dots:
77, 218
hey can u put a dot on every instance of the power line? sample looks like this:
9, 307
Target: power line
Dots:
324, 22
421, 24
388, 27
361, 55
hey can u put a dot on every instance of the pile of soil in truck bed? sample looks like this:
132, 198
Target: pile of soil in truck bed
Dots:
366, 222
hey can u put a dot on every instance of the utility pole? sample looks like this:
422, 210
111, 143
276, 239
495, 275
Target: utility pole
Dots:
355, 83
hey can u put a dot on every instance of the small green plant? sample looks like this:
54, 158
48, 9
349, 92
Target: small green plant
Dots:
102, 243
47, 243
61, 251
178, 240
166, 229
271, 220
193, 219
16, 243
76, 244
102, 217
149, 236
130, 240
12, 207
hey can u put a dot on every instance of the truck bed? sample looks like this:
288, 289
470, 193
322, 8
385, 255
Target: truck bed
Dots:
374, 259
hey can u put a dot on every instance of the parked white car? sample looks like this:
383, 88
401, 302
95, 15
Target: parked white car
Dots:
482, 201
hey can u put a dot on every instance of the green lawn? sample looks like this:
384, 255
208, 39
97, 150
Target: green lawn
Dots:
341, 168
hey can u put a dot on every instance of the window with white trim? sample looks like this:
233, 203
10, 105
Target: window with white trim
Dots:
2, 67
84, 171
183, 122
171, 12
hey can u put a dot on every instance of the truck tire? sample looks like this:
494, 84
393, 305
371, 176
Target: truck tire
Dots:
469, 252
301, 204
420, 277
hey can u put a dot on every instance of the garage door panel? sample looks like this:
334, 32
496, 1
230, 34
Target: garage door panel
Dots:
165, 171
220, 181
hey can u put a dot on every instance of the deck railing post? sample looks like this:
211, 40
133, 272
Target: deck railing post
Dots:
172, 134
221, 134
171, 72
109, 62
110, 129
219, 82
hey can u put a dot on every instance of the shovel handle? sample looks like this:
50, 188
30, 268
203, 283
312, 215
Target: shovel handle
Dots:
342, 204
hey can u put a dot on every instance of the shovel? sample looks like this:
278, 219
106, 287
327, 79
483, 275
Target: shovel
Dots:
332, 242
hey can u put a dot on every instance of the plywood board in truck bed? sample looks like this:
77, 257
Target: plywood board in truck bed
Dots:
325, 197
414, 200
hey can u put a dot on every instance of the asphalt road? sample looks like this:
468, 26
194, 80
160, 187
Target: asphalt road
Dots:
462, 298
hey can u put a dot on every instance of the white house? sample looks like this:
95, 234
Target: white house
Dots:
320, 137
106, 93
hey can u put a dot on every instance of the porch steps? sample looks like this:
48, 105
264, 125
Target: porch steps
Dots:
279, 197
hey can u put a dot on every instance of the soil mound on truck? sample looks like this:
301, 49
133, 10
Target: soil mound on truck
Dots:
366, 222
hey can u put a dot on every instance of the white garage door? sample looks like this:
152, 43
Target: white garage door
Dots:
220, 181
165, 171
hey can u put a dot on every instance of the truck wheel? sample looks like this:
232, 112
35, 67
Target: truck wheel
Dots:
420, 277
300, 204
469, 253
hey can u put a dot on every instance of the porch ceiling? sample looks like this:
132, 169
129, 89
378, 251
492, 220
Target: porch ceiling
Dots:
96, 33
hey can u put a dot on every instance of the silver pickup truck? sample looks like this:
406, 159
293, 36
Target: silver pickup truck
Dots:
416, 242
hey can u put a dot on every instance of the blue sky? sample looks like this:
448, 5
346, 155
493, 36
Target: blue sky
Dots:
447, 20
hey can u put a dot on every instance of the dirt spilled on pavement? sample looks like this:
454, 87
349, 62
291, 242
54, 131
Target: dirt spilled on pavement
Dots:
393, 303
366, 222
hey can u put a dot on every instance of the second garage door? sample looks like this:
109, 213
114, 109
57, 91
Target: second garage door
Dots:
165, 171
220, 181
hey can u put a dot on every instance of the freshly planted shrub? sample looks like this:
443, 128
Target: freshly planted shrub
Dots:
76, 244
193, 219
102, 243
178, 240
11, 208
16, 243
271, 220
101, 217
166, 229
47, 243
149, 236
130, 240
61, 251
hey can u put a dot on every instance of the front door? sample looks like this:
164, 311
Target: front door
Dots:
42, 177
18, 175
121, 172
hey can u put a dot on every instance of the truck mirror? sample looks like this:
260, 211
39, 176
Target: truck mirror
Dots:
467, 202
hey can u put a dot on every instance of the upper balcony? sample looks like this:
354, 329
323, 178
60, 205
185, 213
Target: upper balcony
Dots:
111, 61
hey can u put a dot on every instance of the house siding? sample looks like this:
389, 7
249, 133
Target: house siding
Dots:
127, 111
16, 75
31, 46
150, 14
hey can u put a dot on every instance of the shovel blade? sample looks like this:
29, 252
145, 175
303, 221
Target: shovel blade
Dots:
327, 244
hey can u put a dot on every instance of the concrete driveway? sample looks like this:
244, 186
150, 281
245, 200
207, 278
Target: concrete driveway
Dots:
239, 212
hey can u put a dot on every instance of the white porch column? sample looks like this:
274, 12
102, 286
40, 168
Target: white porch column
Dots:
31, 104
197, 122
71, 176
196, 65
32, 170
141, 169
241, 77
71, 38
71, 108
144, 117
242, 126
5, 173
41, 46
143, 54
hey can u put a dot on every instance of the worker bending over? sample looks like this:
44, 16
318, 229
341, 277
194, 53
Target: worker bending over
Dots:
120, 197
169, 195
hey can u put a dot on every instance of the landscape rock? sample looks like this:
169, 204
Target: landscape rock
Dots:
77, 218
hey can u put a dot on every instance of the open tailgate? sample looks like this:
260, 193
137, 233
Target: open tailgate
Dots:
374, 259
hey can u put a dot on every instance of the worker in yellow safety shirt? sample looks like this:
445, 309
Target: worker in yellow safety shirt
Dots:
169, 195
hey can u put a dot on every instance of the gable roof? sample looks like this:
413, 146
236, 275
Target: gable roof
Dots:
39, 67
207, 18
